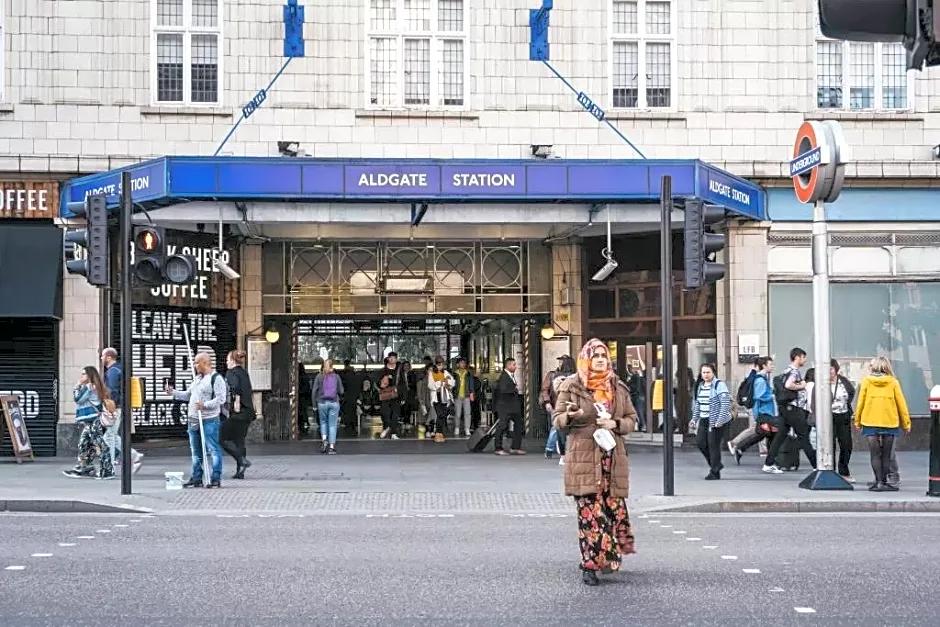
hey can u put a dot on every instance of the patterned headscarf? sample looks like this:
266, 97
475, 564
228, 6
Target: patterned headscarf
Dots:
601, 384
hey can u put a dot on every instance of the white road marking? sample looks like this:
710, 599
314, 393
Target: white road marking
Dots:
776, 589
85, 537
751, 571
709, 546
666, 526
120, 526
42, 554
804, 610
679, 533
694, 539
729, 557
654, 522
66, 544
135, 519
103, 531
15, 568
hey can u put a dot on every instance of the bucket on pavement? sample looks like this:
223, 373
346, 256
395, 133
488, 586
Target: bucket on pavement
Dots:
174, 480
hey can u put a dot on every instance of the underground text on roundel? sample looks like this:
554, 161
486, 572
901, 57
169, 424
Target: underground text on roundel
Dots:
805, 162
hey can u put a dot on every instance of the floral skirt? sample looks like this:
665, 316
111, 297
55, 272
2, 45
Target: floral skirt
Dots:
604, 530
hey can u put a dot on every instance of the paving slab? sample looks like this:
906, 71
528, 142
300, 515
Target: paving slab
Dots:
442, 483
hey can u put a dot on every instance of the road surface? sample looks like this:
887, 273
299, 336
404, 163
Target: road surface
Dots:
208, 570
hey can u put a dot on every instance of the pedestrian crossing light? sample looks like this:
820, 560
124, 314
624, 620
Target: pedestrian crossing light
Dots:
149, 255
93, 263
702, 245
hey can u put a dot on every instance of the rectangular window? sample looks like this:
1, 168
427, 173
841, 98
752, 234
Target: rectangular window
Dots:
862, 76
642, 36
187, 51
417, 54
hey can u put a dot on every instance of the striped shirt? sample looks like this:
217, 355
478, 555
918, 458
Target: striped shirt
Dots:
704, 400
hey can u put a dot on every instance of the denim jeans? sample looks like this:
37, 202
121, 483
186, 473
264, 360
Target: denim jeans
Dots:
556, 442
462, 409
329, 417
213, 448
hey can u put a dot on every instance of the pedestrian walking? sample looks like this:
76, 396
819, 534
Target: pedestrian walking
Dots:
597, 478
507, 401
793, 403
881, 415
393, 391
90, 395
206, 396
114, 380
550, 386
711, 409
327, 392
441, 390
241, 412
756, 394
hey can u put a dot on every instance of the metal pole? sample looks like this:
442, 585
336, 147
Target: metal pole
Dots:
665, 279
933, 471
127, 363
822, 394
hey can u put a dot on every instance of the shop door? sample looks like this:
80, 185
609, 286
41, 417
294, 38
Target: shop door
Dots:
29, 369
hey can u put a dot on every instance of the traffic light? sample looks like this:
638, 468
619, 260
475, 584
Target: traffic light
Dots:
911, 22
149, 255
153, 266
701, 244
93, 238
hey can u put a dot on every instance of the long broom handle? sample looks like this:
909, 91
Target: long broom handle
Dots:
202, 430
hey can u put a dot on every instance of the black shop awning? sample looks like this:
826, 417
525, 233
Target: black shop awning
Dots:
30, 270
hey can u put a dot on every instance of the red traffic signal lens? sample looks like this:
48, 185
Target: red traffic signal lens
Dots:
148, 240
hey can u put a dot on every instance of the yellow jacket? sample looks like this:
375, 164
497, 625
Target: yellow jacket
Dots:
881, 404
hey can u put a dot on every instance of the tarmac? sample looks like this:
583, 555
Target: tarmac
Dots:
429, 484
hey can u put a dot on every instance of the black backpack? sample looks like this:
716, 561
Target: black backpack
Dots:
781, 393
745, 397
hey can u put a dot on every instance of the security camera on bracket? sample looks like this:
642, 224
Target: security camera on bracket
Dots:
608, 254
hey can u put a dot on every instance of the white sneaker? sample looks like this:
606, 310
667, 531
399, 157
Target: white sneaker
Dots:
136, 457
731, 448
394, 437
772, 470
561, 461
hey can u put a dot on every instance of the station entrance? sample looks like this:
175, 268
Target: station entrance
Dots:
358, 349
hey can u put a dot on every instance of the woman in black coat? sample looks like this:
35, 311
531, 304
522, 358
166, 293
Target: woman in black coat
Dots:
241, 412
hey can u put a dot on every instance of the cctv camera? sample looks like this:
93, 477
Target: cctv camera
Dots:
606, 271
225, 269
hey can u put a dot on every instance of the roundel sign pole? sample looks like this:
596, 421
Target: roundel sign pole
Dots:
818, 171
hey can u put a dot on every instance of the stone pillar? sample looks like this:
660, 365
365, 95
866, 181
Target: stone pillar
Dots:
79, 346
566, 284
250, 319
742, 297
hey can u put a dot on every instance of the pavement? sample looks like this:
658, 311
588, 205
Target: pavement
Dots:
852, 570
418, 484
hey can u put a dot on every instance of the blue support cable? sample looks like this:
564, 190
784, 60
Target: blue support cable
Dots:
539, 51
253, 105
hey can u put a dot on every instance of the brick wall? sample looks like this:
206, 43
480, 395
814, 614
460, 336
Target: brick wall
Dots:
78, 84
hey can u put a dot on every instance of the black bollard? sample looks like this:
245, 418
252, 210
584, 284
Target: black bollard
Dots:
933, 476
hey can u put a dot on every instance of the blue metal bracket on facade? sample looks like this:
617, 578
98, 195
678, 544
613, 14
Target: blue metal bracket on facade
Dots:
293, 48
539, 51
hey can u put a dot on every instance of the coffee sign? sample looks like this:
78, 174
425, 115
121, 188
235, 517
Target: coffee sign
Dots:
29, 199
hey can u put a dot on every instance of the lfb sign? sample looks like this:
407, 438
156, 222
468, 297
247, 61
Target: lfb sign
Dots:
818, 165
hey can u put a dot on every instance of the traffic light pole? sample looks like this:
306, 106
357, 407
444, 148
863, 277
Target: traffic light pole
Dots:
665, 280
124, 243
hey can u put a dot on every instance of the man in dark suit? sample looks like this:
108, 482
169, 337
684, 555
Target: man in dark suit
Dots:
508, 405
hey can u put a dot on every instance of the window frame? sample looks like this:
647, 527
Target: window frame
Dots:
641, 39
187, 30
847, 84
436, 37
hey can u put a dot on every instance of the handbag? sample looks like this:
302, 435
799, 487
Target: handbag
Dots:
107, 416
391, 392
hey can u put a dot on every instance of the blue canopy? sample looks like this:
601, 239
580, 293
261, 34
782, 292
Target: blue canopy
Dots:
170, 180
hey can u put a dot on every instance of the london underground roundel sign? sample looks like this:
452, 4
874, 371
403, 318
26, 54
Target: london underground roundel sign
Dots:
818, 163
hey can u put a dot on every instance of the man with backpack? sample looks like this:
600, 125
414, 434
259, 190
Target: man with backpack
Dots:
550, 385
793, 402
745, 399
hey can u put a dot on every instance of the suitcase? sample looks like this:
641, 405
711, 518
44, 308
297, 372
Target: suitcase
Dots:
481, 438
788, 457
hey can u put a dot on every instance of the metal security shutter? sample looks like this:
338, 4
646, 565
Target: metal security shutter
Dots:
160, 353
29, 368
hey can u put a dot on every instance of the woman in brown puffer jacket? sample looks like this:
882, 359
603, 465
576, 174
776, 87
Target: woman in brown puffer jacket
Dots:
599, 481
